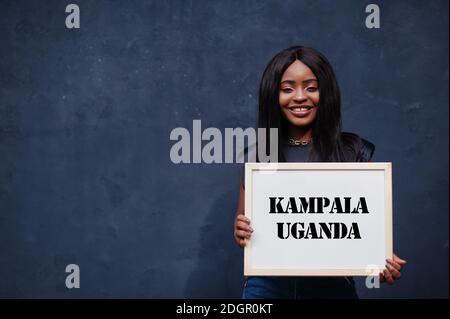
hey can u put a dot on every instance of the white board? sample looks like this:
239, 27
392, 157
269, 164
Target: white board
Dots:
315, 252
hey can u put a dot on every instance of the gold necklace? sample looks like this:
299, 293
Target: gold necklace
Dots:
295, 142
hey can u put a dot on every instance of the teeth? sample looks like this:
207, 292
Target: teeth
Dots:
297, 109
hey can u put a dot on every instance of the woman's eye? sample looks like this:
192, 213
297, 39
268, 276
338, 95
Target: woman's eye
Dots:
311, 89
286, 90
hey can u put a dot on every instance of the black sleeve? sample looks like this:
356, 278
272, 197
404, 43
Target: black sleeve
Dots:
366, 151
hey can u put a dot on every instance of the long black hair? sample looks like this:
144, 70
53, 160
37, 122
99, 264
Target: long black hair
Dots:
329, 144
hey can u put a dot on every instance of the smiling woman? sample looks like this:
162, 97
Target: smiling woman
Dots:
299, 95
299, 98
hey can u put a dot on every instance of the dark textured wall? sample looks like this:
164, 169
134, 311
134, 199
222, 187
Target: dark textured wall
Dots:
85, 118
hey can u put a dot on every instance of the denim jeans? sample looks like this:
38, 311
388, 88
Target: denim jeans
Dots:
299, 288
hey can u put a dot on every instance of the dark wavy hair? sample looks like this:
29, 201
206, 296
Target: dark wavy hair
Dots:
329, 143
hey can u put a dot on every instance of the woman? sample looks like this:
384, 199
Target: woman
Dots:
300, 96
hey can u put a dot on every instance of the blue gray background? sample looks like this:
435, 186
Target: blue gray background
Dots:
85, 118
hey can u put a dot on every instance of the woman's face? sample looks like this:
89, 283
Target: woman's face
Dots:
299, 95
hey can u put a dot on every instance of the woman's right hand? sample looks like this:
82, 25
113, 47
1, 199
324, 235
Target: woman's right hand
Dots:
242, 229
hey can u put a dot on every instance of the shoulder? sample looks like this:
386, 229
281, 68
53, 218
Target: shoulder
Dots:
361, 148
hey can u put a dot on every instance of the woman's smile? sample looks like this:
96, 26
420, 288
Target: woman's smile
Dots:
300, 111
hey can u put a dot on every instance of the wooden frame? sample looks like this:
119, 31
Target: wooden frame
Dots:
254, 253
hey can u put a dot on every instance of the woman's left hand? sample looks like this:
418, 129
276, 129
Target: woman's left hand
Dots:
393, 270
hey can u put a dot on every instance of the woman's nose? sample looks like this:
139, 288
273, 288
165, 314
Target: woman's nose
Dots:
300, 96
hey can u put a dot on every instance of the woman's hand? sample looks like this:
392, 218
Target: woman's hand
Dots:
242, 229
393, 270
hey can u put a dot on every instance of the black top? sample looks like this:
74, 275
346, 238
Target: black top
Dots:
292, 153
299, 153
